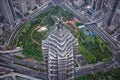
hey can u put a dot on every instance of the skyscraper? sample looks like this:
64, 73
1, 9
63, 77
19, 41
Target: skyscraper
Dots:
111, 10
8, 11
31, 4
21, 5
25, 5
97, 4
59, 51
12, 9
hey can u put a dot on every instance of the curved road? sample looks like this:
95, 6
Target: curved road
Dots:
92, 69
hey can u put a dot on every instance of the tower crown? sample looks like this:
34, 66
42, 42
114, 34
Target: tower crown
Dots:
59, 49
60, 24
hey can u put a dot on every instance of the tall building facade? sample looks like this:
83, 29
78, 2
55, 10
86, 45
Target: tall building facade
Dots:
112, 19
12, 9
31, 4
8, 12
25, 5
21, 5
59, 51
97, 4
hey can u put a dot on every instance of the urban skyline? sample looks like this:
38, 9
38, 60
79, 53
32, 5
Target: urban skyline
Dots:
59, 39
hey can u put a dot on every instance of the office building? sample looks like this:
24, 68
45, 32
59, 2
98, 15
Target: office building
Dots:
12, 9
78, 3
59, 51
97, 4
25, 5
40, 2
8, 12
21, 5
113, 14
31, 4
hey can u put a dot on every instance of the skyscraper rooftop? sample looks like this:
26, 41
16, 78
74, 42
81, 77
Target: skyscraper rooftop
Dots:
59, 50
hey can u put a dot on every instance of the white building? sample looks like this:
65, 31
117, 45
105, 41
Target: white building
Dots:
59, 51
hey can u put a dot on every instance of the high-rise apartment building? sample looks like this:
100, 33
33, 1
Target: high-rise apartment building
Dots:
59, 51
8, 12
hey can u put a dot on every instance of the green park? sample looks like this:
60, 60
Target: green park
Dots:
111, 75
31, 35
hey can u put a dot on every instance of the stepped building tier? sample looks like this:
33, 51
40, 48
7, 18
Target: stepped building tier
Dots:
59, 51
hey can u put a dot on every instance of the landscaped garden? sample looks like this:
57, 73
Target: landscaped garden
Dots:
92, 47
111, 75
30, 37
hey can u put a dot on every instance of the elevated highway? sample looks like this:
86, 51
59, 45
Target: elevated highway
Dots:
17, 50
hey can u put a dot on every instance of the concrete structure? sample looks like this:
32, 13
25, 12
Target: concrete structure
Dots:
40, 2
17, 76
59, 51
116, 18
111, 10
97, 4
15, 51
1, 16
12, 9
25, 5
21, 5
8, 11
78, 3
31, 4
1, 30
96, 68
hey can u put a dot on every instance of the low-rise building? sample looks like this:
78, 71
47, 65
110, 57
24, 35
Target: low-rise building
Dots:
78, 3
25, 5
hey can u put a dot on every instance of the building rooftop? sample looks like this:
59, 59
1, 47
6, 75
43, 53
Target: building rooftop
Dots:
60, 40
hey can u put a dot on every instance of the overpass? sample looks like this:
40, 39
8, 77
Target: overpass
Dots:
17, 50
16, 76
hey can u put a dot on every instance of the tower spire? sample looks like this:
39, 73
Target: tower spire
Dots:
60, 24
